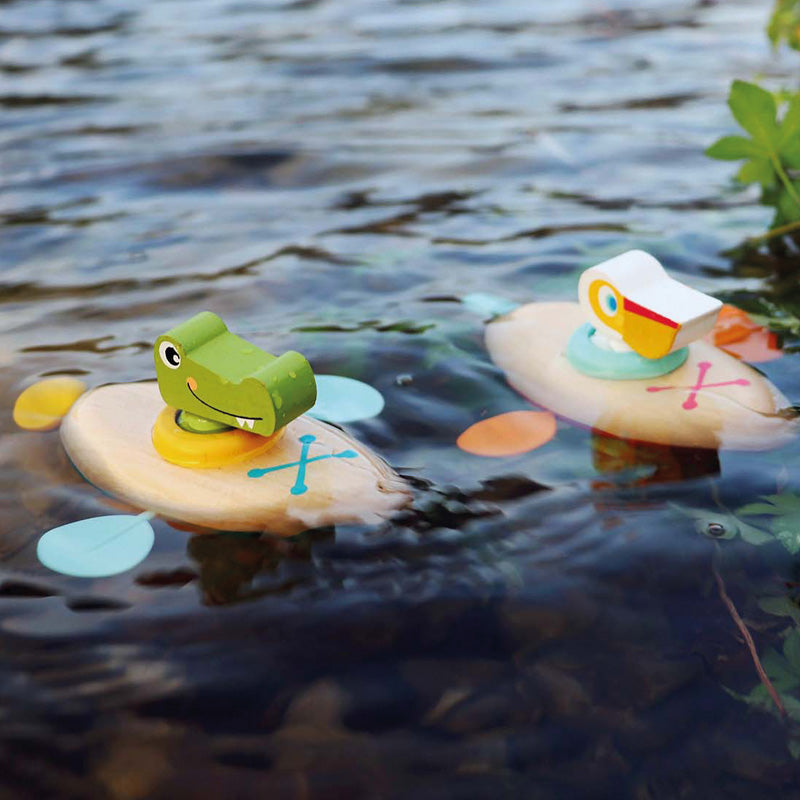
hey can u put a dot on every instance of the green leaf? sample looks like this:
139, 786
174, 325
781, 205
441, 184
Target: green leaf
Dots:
784, 24
790, 153
790, 539
787, 205
780, 606
773, 154
779, 671
790, 125
791, 650
786, 501
757, 170
759, 698
785, 510
752, 509
792, 706
755, 110
780, 324
732, 148
753, 535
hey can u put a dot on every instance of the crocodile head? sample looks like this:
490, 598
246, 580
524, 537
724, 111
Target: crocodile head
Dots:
208, 371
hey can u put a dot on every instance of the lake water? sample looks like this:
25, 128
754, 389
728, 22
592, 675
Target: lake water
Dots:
332, 176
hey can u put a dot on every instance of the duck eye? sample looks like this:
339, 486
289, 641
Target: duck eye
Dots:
608, 301
169, 355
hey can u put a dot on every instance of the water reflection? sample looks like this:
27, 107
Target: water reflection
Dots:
237, 567
539, 626
641, 463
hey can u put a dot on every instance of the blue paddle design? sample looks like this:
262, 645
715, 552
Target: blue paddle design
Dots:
300, 484
97, 547
341, 399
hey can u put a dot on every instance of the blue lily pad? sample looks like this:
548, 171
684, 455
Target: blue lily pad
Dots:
342, 399
97, 547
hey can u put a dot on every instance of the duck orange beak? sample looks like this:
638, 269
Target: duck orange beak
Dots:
645, 331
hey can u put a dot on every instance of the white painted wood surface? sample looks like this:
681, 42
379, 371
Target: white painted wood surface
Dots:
529, 345
107, 436
638, 277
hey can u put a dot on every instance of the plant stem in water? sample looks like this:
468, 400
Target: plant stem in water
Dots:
748, 640
776, 162
781, 231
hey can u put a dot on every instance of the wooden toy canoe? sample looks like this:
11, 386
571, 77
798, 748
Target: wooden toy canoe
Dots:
710, 401
314, 475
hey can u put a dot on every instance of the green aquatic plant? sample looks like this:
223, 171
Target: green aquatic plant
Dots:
722, 525
767, 695
784, 24
771, 151
785, 512
778, 666
783, 671
777, 319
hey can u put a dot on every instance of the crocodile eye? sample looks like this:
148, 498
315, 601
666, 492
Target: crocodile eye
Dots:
169, 355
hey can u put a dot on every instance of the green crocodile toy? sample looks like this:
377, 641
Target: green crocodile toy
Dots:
219, 380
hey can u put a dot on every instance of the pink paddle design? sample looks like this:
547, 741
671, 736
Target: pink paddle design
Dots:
691, 400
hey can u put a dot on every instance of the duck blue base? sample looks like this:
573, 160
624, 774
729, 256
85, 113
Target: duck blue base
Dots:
596, 362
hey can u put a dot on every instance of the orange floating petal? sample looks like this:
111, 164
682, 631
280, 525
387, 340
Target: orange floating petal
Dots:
508, 434
758, 347
732, 325
737, 334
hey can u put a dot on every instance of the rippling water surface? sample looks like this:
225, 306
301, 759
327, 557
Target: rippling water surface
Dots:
332, 176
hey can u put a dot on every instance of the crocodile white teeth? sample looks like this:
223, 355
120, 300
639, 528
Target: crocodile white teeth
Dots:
245, 422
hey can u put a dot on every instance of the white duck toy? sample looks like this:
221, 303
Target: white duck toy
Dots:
629, 360
634, 305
